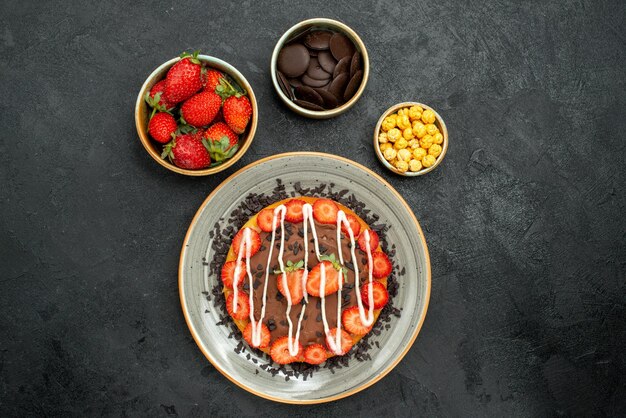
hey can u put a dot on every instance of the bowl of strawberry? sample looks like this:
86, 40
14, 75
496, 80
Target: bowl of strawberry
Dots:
196, 115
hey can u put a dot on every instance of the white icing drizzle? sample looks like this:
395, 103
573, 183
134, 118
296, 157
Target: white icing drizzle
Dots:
307, 212
245, 240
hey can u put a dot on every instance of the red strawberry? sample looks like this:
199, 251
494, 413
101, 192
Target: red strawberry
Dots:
243, 306
294, 281
212, 79
255, 241
315, 354
162, 126
378, 291
325, 211
345, 341
184, 79
382, 265
355, 225
237, 112
265, 336
280, 351
221, 142
373, 241
294, 211
201, 109
228, 273
351, 320
187, 151
314, 277
265, 220
161, 100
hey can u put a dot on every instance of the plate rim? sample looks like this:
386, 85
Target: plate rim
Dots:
341, 395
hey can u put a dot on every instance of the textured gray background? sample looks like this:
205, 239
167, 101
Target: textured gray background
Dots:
524, 219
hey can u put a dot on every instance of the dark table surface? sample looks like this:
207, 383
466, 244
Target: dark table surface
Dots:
524, 219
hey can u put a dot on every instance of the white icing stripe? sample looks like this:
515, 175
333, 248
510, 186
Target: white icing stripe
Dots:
370, 287
245, 240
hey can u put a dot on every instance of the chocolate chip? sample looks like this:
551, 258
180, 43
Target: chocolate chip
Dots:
355, 64
318, 40
293, 60
353, 85
284, 85
318, 318
309, 95
343, 66
330, 101
316, 71
294, 82
338, 85
341, 46
327, 61
308, 105
311, 82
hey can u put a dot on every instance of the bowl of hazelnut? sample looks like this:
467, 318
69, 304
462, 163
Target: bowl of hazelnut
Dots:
410, 139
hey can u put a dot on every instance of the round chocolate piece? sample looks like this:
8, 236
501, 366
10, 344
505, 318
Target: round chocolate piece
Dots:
327, 62
355, 64
338, 86
313, 82
308, 105
318, 39
295, 82
309, 95
353, 85
330, 101
343, 66
316, 71
284, 85
293, 60
341, 46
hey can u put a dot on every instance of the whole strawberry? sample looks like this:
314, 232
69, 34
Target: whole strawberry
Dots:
162, 126
201, 109
212, 79
187, 151
221, 142
184, 79
237, 111
157, 98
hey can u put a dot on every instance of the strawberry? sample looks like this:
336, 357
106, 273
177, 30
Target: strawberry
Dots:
162, 126
265, 336
355, 225
280, 351
332, 270
184, 79
201, 109
351, 320
325, 211
161, 102
345, 341
243, 306
294, 281
265, 220
315, 354
382, 265
255, 242
212, 79
237, 111
228, 273
221, 142
373, 241
294, 211
187, 151
378, 291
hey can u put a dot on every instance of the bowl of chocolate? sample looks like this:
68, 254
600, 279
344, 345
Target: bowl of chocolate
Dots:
320, 68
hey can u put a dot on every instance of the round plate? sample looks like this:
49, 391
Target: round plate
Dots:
310, 169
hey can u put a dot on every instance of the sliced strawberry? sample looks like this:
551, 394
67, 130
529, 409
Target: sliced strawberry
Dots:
314, 278
355, 225
280, 351
351, 320
294, 283
265, 336
379, 292
373, 241
315, 354
325, 211
345, 341
382, 265
243, 306
265, 220
228, 273
294, 211
255, 241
